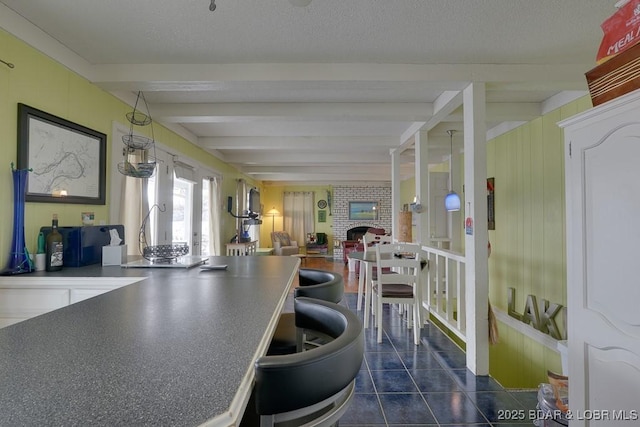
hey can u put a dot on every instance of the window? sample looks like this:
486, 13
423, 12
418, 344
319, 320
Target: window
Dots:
177, 201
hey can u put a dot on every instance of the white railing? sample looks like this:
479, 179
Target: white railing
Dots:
443, 288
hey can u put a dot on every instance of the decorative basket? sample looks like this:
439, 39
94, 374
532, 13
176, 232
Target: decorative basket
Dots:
138, 118
165, 252
137, 142
137, 170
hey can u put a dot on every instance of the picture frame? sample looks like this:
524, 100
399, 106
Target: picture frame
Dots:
67, 160
363, 211
491, 207
322, 216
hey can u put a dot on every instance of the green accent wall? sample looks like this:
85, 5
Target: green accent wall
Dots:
43, 83
528, 244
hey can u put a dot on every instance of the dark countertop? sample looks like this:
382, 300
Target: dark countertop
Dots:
174, 349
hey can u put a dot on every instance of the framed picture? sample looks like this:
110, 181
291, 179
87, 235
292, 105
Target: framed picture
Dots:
491, 207
67, 160
322, 216
363, 211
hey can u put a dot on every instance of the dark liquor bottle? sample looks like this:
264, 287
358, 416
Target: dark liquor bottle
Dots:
54, 247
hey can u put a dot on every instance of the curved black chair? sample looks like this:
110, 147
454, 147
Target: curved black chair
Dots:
317, 385
318, 284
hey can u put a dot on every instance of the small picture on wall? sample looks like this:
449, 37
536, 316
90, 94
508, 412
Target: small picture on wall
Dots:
491, 212
322, 216
363, 211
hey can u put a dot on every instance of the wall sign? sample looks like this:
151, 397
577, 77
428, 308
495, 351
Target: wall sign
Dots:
541, 316
468, 226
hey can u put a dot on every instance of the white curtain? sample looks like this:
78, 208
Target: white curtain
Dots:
134, 205
299, 215
215, 209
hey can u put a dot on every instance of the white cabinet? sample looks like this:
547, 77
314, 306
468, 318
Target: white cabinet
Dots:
17, 305
602, 162
24, 297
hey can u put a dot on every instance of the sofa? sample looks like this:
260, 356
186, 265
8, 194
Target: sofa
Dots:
282, 244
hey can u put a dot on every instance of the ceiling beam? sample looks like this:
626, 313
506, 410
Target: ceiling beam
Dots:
244, 111
324, 143
307, 158
185, 77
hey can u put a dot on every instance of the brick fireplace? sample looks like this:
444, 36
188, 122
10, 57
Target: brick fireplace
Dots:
342, 195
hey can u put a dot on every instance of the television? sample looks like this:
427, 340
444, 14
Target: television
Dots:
254, 203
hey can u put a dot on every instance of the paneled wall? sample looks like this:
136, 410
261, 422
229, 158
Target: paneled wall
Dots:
528, 243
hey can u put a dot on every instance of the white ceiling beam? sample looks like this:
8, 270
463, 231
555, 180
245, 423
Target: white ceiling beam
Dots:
326, 169
305, 158
504, 112
236, 111
447, 102
350, 143
182, 77
320, 179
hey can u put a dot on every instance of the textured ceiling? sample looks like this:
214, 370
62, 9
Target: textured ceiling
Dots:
321, 93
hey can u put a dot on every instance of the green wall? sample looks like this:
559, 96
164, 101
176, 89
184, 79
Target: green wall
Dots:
528, 244
40, 82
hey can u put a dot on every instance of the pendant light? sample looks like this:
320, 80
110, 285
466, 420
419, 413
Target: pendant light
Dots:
452, 201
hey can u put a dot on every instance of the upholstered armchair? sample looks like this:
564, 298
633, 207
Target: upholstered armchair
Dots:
282, 243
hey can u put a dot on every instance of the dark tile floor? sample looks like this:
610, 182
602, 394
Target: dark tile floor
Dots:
401, 384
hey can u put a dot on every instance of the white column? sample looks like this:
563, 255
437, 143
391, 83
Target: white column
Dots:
476, 236
422, 187
395, 192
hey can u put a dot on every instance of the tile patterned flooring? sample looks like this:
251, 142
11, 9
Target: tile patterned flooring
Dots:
428, 385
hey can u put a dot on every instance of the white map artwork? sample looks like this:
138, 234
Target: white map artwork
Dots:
62, 160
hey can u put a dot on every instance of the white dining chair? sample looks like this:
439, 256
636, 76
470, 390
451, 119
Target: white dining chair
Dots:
369, 240
402, 287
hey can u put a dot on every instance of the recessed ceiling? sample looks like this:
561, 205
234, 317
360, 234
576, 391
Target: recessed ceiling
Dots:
321, 93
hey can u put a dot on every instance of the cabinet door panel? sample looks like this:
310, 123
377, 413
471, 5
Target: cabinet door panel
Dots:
33, 301
603, 202
78, 295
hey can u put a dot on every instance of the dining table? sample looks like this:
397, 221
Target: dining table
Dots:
177, 347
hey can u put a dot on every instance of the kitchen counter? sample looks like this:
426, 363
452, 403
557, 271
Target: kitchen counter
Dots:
175, 348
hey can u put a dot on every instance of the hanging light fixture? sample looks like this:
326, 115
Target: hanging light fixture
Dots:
452, 201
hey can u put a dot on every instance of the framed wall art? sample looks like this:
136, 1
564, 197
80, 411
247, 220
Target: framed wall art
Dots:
363, 211
67, 160
491, 207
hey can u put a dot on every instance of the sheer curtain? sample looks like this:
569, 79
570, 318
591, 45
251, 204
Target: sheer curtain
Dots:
134, 205
214, 216
299, 215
